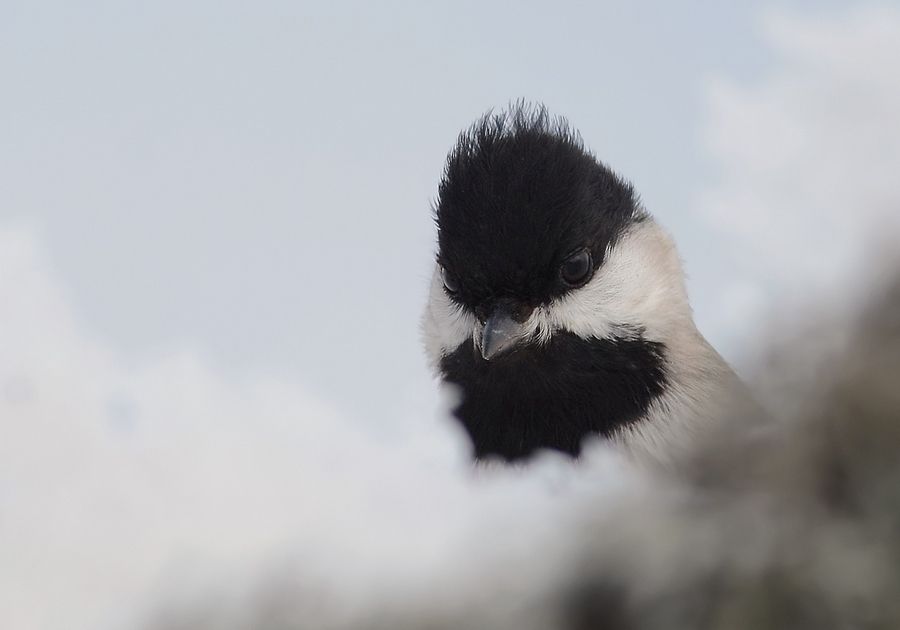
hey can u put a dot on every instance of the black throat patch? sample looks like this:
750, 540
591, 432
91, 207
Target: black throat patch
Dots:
554, 395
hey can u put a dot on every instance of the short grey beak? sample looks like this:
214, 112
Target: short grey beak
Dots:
499, 334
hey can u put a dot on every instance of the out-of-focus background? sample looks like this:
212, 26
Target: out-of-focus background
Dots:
216, 236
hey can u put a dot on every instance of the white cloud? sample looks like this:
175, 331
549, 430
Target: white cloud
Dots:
809, 155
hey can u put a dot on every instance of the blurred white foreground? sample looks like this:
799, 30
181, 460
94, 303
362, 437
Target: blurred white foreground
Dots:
124, 486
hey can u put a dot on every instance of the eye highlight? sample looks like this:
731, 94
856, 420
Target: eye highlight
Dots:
450, 284
577, 268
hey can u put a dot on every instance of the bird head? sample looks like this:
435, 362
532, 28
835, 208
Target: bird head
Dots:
553, 292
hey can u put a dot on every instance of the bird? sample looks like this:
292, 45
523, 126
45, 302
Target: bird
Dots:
557, 308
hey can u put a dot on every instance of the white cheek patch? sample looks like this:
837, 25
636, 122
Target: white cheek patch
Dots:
639, 286
445, 325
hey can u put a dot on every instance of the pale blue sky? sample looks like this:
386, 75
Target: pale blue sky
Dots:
253, 180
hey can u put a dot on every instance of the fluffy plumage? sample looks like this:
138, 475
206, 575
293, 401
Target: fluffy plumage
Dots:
615, 354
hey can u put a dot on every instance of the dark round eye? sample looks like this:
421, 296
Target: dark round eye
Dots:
577, 268
449, 281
